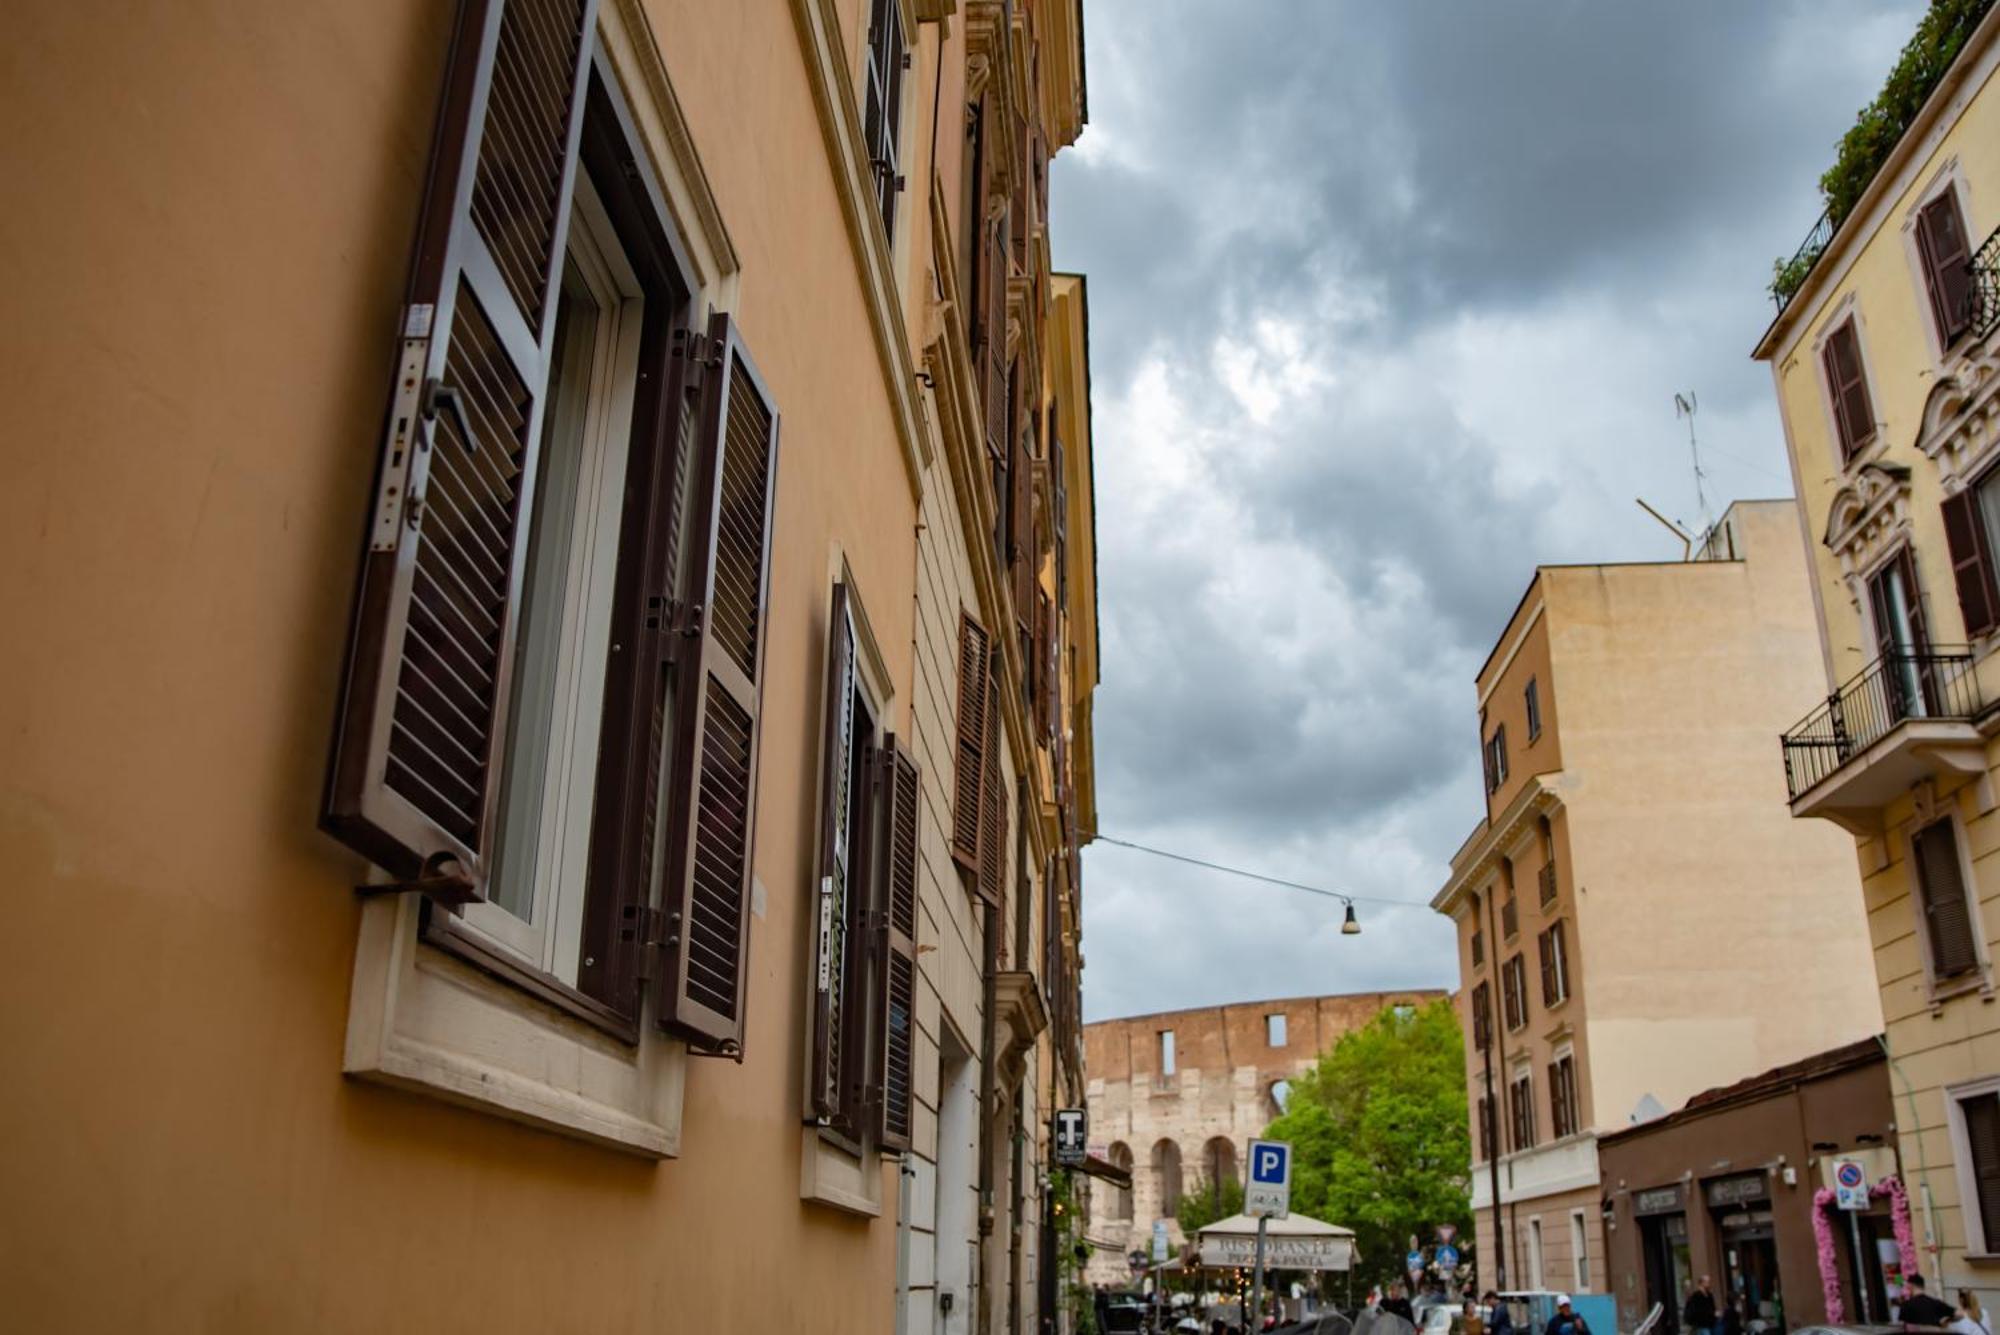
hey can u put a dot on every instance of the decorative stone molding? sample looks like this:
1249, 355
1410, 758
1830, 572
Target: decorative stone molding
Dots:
1960, 428
1867, 519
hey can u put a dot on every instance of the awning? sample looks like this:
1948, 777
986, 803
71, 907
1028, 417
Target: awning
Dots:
1294, 1243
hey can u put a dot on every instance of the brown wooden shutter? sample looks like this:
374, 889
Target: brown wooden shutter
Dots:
1982, 1137
1482, 1016
711, 830
1971, 562
897, 954
994, 338
1051, 665
1947, 265
1853, 413
993, 829
1548, 962
968, 809
413, 780
835, 882
1559, 953
1954, 945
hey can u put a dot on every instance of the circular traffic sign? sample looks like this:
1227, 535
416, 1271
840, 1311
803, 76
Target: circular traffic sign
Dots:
1848, 1173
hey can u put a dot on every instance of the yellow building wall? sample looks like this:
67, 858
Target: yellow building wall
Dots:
1698, 898
201, 262
1873, 276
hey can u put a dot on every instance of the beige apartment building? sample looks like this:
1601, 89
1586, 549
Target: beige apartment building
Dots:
1886, 364
1638, 920
1175, 1097
587, 508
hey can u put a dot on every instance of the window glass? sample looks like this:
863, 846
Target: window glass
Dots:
1166, 1052
1274, 1030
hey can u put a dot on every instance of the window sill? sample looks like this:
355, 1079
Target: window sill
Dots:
1977, 984
421, 1020
833, 1173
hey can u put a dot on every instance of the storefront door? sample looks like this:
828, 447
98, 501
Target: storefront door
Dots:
1663, 1243
1742, 1211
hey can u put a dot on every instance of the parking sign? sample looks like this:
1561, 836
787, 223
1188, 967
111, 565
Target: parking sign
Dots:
1269, 1192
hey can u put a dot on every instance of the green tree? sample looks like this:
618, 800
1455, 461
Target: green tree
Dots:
1210, 1202
1379, 1137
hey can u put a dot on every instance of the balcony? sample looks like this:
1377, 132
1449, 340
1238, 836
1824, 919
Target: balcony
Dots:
1547, 881
1986, 287
1510, 920
1904, 718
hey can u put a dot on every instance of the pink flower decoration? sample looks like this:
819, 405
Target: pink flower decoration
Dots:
1829, 1262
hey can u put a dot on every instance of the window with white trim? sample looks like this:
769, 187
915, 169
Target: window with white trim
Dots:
1973, 1111
1579, 1250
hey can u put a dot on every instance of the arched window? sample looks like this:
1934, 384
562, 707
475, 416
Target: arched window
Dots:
1167, 1177
1218, 1162
1281, 1095
1121, 1197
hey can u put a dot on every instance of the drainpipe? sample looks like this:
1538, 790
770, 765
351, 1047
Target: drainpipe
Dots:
1923, 1166
1495, 1024
989, 1000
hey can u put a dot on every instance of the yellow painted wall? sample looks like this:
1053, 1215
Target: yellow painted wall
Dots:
201, 262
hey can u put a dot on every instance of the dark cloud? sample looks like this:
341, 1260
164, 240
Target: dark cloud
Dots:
1388, 305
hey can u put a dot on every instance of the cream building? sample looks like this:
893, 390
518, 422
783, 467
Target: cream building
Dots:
1638, 919
1887, 371
1174, 1097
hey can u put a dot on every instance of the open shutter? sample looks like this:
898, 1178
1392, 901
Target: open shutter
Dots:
835, 881
1982, 1138
896, 957
967, 816
1971, 562
413, 780
1548, 962
1954, 948
1854, 414
1021, 508
993, 802
1947, 265
711, 829
994, 337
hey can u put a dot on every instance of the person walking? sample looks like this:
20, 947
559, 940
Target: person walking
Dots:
1920, 1310
1565, 1321
1972, 1319
1399, 1304
1499, 1321
1698, 1312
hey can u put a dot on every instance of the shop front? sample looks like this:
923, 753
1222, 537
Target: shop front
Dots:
1735, 1186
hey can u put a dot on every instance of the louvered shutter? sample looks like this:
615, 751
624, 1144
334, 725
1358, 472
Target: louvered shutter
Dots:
413, 780
1947, 265
1971, 562
994, 338
1559, 954
1548, 963
1482, 1016
968, 810
896, 955
1954, 947
1051, 693
711, 830
1854, 414
1982, 1137
993, 826
1021, 507
837, 857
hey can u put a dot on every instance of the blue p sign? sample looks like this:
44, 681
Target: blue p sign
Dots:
1267, 1163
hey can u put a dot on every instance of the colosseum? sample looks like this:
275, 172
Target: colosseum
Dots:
1174, 1096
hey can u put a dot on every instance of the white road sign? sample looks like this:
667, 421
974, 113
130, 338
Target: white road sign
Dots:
1850, 1184
1268, 1195
1159, 1242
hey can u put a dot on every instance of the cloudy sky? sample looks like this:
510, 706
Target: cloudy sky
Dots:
1389, 303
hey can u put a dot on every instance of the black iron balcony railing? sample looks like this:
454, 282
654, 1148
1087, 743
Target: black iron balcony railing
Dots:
1934, 684
1789, 276
1986, 287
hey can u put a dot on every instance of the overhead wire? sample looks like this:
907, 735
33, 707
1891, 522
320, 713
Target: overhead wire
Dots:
1247, 875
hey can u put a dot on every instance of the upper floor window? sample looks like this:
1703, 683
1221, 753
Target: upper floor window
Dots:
1555, 965
1847, 387
1496, 759
888, 58
1902, 638
1971, 530
1274, 1030
1485, 1106
1521, 1111
1949, 915
1563, 1119
1167, 1066
1947, 265
1533, 697
1482, 1016
1514, 991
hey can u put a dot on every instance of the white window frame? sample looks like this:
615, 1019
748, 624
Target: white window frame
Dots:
1579, 1241
550, 938
1558, 935
1949, 176
1977, 1244
1848, 307
423, 1020
1937, 992
1275, 1034
1531, 698
1535, 1252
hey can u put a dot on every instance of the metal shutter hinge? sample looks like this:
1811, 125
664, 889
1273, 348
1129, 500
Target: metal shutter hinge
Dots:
654, 931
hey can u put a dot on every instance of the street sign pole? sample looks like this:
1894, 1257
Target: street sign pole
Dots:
1257, 1281
1854, 1233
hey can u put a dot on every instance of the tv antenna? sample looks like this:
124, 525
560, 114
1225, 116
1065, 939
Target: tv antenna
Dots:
1684, 407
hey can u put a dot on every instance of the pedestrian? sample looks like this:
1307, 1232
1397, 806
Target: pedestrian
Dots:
1399, 1304
1499, 1321
1919, 1309
1732, 1317
1565, 1321
1698, 1312
1972, 1318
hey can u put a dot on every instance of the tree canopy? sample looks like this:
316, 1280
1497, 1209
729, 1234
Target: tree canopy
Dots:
1379, 1135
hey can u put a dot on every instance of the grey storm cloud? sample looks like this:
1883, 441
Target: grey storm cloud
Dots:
1388, 303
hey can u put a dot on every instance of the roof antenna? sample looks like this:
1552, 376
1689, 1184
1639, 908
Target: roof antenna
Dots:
1687, 543
1684, 406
